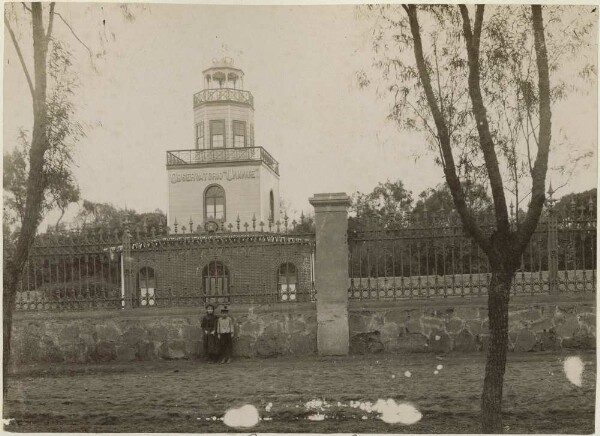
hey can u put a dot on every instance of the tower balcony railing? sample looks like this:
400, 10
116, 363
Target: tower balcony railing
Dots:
221, 155
223, 94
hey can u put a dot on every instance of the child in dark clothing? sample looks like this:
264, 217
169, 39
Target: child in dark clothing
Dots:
209, 326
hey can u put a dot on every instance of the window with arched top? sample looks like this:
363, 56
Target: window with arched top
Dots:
215, 282
214, 203
146, 286
287, 278
271, 206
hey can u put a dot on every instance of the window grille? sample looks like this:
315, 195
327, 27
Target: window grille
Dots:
287, 280
147, 285
215, 281
217, 133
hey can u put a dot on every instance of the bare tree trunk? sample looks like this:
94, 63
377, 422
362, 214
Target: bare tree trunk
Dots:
35, 184
62, 214
505, 247
491, 399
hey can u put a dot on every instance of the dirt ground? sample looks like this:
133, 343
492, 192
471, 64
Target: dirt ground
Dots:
193, 396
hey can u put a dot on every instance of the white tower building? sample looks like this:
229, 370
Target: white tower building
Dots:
225, 176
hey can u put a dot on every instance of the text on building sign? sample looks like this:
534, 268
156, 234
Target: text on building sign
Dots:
214, 176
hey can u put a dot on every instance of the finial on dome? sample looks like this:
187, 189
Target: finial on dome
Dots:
225, 61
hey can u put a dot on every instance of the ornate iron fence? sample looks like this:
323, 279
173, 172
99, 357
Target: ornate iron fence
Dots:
223, 94
220, 155
430, 256
85, 270
70, 271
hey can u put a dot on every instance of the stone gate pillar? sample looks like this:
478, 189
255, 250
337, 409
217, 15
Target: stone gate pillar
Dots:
331, 272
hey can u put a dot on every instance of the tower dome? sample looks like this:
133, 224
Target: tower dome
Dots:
223, 74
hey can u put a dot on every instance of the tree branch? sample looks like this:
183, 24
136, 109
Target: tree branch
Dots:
439, 85
537, 142
20, 55
74, 34
540, 166
479, 112
452, 179
50, 22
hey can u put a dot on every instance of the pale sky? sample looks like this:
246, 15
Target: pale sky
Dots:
299, 63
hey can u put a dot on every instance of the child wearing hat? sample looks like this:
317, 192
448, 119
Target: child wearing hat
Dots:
209, 326
225, 334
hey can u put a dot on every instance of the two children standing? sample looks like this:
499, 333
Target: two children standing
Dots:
218, 335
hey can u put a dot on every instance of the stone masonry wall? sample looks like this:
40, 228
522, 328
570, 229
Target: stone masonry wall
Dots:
535, 324
148, 334
437, 326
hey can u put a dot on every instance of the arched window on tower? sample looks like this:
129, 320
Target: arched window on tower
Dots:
146, 286
271, 206
214, 203
287, 277
215, 282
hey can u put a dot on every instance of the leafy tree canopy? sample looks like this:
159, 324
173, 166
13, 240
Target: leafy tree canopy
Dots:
388, 203
59, 186
94, 216
575, 204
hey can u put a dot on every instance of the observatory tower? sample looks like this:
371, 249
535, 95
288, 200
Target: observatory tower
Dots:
225, 176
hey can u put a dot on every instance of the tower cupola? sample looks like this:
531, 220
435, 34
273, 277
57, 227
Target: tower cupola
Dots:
223, 74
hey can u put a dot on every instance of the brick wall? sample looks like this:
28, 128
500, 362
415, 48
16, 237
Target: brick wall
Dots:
252, 267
